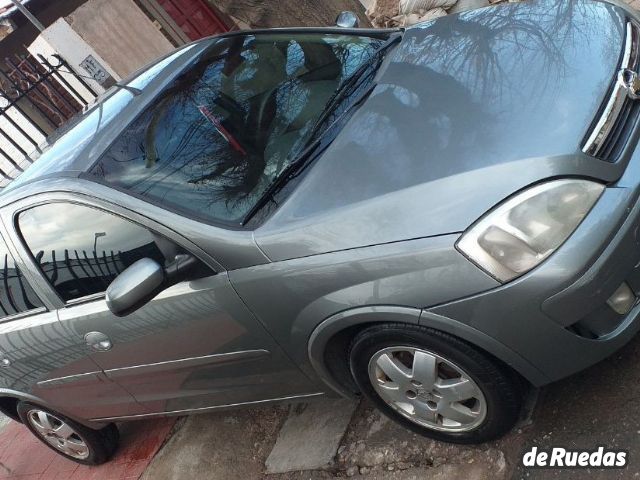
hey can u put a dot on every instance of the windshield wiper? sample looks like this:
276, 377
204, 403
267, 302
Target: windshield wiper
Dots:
352, 81
317, 145
283, 178
292, 170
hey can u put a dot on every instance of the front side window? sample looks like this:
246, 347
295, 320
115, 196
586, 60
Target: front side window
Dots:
217, 137
80, 249
16, 295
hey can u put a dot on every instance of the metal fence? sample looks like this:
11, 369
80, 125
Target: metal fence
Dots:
37, 96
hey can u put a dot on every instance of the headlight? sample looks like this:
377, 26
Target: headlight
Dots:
524, 230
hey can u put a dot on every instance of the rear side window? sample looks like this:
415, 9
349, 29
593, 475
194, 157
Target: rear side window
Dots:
16, 295
81, 249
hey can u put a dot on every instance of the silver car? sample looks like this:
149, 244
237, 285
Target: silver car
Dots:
436, 218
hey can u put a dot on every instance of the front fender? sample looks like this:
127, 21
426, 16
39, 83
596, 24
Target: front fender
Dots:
332, 326
347, 319
486, 343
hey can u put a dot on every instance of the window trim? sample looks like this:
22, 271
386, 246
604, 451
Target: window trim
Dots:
85, 299
35, 275
22, 315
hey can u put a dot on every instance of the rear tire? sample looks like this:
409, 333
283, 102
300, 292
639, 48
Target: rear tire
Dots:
112, 437
69, 438
435, 384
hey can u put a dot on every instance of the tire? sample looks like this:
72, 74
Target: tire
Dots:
68, 438
442, 387
112, 438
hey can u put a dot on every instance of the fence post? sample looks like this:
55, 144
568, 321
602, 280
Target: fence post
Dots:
54, 98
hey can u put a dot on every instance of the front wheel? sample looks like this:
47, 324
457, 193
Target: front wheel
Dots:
435, 384
68, 438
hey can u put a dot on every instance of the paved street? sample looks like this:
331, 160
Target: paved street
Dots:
596, 407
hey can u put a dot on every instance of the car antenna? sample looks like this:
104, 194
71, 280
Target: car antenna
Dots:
134, 91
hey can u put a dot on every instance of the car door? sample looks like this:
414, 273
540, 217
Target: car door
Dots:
195, 346
38, 357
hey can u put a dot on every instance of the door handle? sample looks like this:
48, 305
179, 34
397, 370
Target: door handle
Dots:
98, 341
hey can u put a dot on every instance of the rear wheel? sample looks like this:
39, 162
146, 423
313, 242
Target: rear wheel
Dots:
435, 384
67, 437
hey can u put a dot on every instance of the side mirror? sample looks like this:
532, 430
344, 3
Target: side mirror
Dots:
134, 287
143, 280
347, 20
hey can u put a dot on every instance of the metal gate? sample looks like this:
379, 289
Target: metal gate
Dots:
37, 96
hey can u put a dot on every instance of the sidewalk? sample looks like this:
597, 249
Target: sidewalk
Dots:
23, 457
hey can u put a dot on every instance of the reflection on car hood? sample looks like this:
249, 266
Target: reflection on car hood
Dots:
468, 110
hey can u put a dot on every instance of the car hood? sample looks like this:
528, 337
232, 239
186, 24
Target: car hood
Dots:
468, 109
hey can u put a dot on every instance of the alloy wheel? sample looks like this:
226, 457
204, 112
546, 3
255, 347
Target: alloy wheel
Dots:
58, 434
428, 389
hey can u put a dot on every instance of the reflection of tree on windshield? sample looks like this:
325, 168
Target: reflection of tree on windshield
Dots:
220, 134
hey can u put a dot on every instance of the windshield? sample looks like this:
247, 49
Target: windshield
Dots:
221, 133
